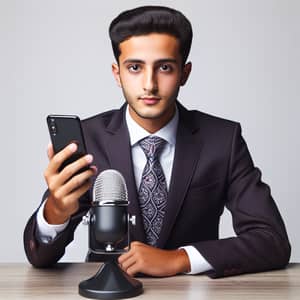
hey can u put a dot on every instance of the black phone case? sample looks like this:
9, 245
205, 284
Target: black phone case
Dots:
64, 130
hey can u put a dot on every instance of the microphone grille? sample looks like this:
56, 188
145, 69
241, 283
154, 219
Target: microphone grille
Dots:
110, 187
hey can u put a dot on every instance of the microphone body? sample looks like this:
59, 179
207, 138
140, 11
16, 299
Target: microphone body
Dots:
108, 226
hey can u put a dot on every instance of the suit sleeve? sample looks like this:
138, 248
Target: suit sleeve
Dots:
41, 254
261, 243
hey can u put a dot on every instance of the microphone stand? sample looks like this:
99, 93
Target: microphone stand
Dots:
110, 282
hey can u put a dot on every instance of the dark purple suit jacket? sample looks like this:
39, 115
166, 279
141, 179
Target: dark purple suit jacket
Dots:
212, 169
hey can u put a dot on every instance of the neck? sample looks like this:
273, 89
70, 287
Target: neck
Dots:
152, 125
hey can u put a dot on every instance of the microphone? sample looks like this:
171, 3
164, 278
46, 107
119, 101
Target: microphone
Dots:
108, 221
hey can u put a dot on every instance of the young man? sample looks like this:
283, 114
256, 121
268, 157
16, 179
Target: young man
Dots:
202, 165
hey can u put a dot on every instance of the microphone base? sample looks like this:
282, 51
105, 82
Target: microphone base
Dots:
110, 282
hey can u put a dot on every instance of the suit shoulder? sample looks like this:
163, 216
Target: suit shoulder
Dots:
100, 120
202, 120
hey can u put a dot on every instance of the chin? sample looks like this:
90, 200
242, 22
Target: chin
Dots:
150, 113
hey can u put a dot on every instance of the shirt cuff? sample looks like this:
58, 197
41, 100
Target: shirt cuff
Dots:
198, 263
46, 231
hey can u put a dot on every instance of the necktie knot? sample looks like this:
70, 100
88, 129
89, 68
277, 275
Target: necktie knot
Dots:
152, 146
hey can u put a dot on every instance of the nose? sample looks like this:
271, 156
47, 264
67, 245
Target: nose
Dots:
150, 81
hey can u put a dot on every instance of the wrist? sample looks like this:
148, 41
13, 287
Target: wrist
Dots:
53, 215
184, 265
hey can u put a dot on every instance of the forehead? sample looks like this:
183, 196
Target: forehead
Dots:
150, 47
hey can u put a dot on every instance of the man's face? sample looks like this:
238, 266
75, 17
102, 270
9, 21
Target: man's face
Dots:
150, 73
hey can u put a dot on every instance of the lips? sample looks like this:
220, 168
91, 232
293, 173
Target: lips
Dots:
150, 100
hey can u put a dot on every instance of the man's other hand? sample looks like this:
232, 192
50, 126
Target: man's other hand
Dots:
142, 258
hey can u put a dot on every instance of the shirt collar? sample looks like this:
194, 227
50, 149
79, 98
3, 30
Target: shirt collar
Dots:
137, 133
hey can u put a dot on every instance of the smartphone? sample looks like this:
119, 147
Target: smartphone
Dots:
64, 130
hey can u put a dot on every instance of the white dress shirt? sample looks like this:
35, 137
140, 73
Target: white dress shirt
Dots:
137, 133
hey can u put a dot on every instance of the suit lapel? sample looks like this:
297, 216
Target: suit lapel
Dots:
184, 165
119, 153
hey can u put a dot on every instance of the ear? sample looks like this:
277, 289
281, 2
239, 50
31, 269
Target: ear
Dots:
116, 72
185, 73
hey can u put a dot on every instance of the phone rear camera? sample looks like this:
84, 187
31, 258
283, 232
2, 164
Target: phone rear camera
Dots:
53, 129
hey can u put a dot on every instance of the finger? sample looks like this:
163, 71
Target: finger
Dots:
70, 170
75, 167
122, 258
95, 169
128, 263
50, 150
132, 248
134, 269
70, 202
78, 180
79, 192
60, 157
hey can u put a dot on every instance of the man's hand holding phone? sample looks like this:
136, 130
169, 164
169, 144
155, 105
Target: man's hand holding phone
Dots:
66, 186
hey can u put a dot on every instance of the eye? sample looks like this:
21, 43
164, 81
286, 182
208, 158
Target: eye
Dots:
166, 68
134, 68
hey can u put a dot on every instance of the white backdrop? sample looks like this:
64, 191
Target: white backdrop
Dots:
56, 58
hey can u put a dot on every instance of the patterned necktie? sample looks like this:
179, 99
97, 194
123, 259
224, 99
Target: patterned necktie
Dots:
153, 189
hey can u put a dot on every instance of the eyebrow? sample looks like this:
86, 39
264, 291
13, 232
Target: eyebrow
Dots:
159, 61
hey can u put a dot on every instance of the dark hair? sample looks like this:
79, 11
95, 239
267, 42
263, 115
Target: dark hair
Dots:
149, 19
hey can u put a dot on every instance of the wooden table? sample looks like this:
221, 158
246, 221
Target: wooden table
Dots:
21, 281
